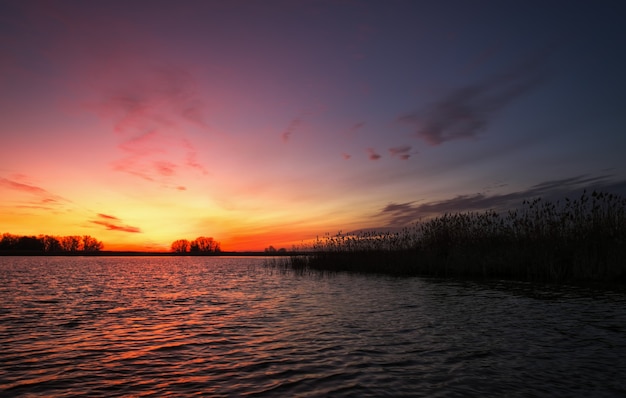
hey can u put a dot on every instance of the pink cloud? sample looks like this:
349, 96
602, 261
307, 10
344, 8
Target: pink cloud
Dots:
131, 165
165, 168
127, 80
291, 128
23, 187
191, 159
193, 162
44, 196
372, 154
147, 143
161, 99
114, 224
151, 114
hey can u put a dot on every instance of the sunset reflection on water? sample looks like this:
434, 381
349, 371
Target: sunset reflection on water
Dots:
231, 326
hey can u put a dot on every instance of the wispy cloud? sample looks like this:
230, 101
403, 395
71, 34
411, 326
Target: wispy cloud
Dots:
372, 154
408, 212
114, 224
466, 112
165, 168
147, 143
43, 198
150, 116
355, 128
163, 98
401, 152
192, 158
291, 128
35, 190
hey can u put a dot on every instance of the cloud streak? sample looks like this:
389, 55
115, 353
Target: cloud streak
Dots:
355, 128
466, 112
45, 199
399, 214
113, 223
401, 152
291, 128
150, 116
192, 158
18, 186
161, 99
372, 154
165, 168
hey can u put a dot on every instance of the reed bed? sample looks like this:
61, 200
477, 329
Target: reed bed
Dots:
564, 241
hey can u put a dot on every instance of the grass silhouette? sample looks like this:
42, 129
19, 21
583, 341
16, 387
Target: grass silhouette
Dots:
564, 241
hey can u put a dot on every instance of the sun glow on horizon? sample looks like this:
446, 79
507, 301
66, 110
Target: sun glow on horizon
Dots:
138, 135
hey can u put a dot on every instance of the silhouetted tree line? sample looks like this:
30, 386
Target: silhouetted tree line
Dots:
49, 244
272, 249
201, 244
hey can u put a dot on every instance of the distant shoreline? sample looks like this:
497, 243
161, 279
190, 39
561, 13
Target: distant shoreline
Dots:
111, 253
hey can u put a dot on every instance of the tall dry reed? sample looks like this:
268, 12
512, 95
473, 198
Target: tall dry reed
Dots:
571, 240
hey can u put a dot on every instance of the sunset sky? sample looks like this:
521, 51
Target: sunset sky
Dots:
270, 122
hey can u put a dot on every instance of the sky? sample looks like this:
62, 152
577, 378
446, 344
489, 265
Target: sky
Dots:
265, 123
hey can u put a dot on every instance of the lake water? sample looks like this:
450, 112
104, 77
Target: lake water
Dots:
207, 326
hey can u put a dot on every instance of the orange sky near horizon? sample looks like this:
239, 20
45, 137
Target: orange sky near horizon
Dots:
271, 123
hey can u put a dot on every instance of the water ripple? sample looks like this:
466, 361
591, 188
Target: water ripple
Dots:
106, 327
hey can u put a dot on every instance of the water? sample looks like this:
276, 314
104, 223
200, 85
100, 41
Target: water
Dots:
105, 327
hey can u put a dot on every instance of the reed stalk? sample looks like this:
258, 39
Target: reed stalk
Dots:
571, 240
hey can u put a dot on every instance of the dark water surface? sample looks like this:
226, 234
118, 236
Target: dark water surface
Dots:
104, 327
